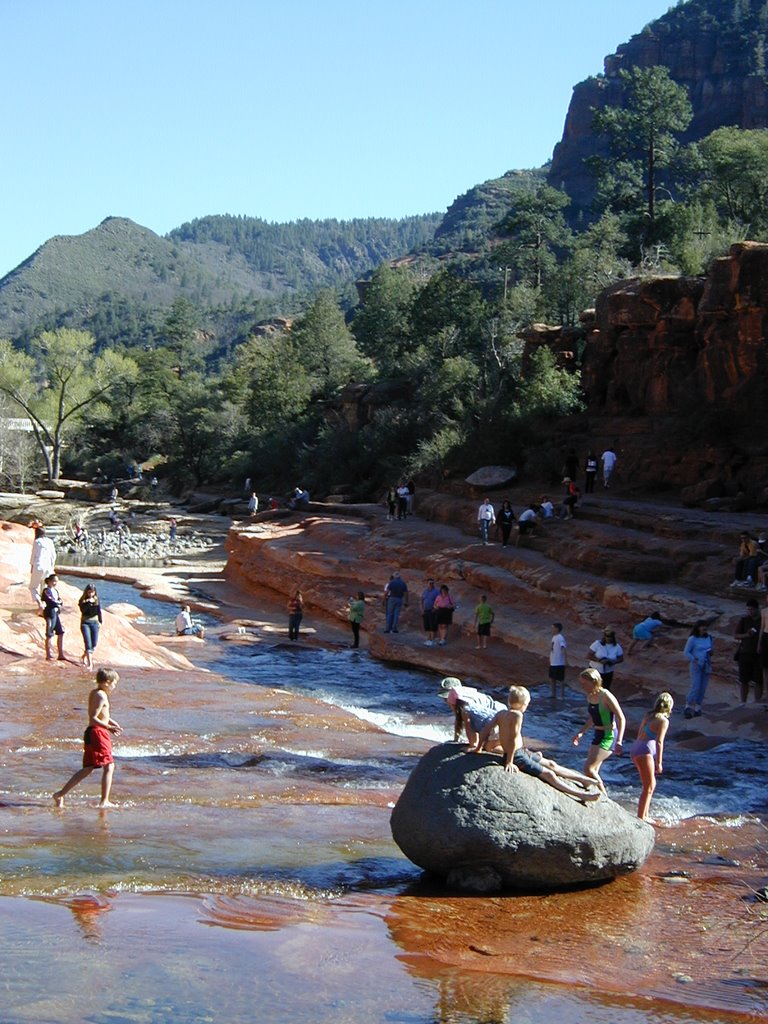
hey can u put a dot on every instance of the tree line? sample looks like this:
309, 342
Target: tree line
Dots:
434, 344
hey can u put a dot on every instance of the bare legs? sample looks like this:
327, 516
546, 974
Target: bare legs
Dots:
594, 762
59, 645
647, 772
106, 785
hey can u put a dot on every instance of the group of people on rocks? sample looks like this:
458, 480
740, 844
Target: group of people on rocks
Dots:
43, 586
399, 499
493, 727
572, 464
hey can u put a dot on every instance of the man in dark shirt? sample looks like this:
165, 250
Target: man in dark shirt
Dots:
395, 594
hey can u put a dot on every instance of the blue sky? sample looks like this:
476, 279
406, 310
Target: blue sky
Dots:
167, 110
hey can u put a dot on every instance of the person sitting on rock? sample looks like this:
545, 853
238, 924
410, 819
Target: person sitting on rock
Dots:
526, 523
185, 626
746, 561
517, 758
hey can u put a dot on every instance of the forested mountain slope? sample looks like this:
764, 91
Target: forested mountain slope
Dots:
212, 262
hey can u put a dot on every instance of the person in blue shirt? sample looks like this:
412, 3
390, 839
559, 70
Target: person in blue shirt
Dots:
645, 631
395, 596
698, 651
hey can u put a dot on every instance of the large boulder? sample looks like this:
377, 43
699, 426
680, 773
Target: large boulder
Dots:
482, 829
492, 476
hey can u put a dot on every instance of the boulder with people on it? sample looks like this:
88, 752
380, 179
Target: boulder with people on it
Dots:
463, 818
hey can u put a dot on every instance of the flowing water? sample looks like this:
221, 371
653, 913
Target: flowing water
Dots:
249, 873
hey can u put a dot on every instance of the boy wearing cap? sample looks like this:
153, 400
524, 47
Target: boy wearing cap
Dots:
518, 759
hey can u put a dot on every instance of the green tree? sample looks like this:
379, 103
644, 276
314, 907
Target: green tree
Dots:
734, 168
537, 233
57, 383
324, 346
382, 324
642, 137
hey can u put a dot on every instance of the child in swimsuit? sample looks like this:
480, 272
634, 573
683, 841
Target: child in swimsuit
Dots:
604, 713
647, 751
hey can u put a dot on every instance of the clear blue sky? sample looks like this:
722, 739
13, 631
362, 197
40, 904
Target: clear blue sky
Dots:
166, 110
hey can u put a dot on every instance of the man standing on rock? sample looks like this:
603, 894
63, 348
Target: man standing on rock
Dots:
42, 563
558, 659
395, 595
608, 458
428, 613
486, 517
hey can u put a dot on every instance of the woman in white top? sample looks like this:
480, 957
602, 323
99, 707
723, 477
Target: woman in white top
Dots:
604, 654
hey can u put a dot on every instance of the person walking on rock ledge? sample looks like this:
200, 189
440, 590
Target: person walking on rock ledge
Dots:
698, 651
355, 613
42, 562
486, 517
295, 614
608, 458
395, 596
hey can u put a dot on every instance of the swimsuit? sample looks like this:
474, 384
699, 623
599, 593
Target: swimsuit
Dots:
98, 747
644, 744
603, 719
527, 763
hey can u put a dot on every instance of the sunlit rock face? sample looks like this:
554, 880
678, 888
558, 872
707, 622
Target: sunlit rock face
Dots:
482, 829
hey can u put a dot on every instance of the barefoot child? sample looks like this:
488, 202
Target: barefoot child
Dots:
648, 750
97, 739
518, 759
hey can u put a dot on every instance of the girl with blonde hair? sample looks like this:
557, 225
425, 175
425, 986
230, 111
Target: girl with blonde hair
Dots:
647, 752
608, 720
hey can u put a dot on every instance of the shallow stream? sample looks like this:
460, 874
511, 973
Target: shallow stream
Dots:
249, 873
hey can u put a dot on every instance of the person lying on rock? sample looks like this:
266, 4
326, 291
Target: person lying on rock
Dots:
517, 758
472, 711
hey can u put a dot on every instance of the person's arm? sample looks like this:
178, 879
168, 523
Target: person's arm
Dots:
744, 633
512, 740
663, 726
618, 714
584, 729
619, 655
688, 648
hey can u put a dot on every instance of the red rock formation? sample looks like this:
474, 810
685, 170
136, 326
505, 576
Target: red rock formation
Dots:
675, 373
704, 51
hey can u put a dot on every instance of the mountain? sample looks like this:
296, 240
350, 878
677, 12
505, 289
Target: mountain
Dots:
213, 262
715, 48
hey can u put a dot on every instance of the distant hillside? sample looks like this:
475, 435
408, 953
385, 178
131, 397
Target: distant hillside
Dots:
471, 220
715, 48
213, 262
